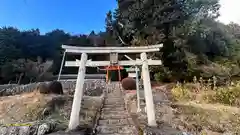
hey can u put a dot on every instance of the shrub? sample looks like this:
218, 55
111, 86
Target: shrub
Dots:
180, 92
129, 83
228, 95
163, 75
55, 87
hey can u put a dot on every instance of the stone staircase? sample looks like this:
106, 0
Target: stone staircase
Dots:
114, 119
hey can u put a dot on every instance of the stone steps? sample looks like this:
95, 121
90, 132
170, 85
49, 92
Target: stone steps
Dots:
117, 98
113, 105
113, 134
68, 133
114, 96
111, 129
113, 102
116, 122
114, 116
114, 119
115, 109
114, 112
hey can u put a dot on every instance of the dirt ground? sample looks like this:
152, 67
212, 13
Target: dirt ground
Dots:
189, 116
192, 117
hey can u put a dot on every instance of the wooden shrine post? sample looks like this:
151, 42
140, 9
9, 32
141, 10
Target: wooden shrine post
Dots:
137, 84
76, 106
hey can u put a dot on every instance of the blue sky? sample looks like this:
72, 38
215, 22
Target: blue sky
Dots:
73, 16
76, 16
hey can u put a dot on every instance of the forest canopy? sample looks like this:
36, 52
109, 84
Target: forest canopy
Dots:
195, 43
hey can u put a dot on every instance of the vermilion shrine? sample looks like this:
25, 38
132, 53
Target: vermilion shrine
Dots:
113, 62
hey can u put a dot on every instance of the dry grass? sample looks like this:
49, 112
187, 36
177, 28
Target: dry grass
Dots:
213, 117
201, 107
206, 93
29, 107
21, 108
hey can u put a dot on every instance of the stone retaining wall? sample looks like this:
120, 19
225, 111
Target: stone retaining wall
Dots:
33, 128
7, 86
90, 87
18, 89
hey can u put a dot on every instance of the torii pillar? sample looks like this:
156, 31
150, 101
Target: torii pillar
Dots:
78, 94
148, 91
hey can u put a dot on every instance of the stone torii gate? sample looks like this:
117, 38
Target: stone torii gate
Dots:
113, 51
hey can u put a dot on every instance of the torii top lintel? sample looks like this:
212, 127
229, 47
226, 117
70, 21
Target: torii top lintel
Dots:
139, 49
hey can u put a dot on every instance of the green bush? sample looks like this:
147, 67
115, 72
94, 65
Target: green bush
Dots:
163, 75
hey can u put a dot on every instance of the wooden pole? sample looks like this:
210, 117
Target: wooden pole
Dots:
78, 94
119, 74
60, 71
148, 92
138, 90
137, 85
107, 76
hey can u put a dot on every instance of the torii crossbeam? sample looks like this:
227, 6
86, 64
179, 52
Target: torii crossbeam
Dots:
74, 118
97, 50
90, 63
